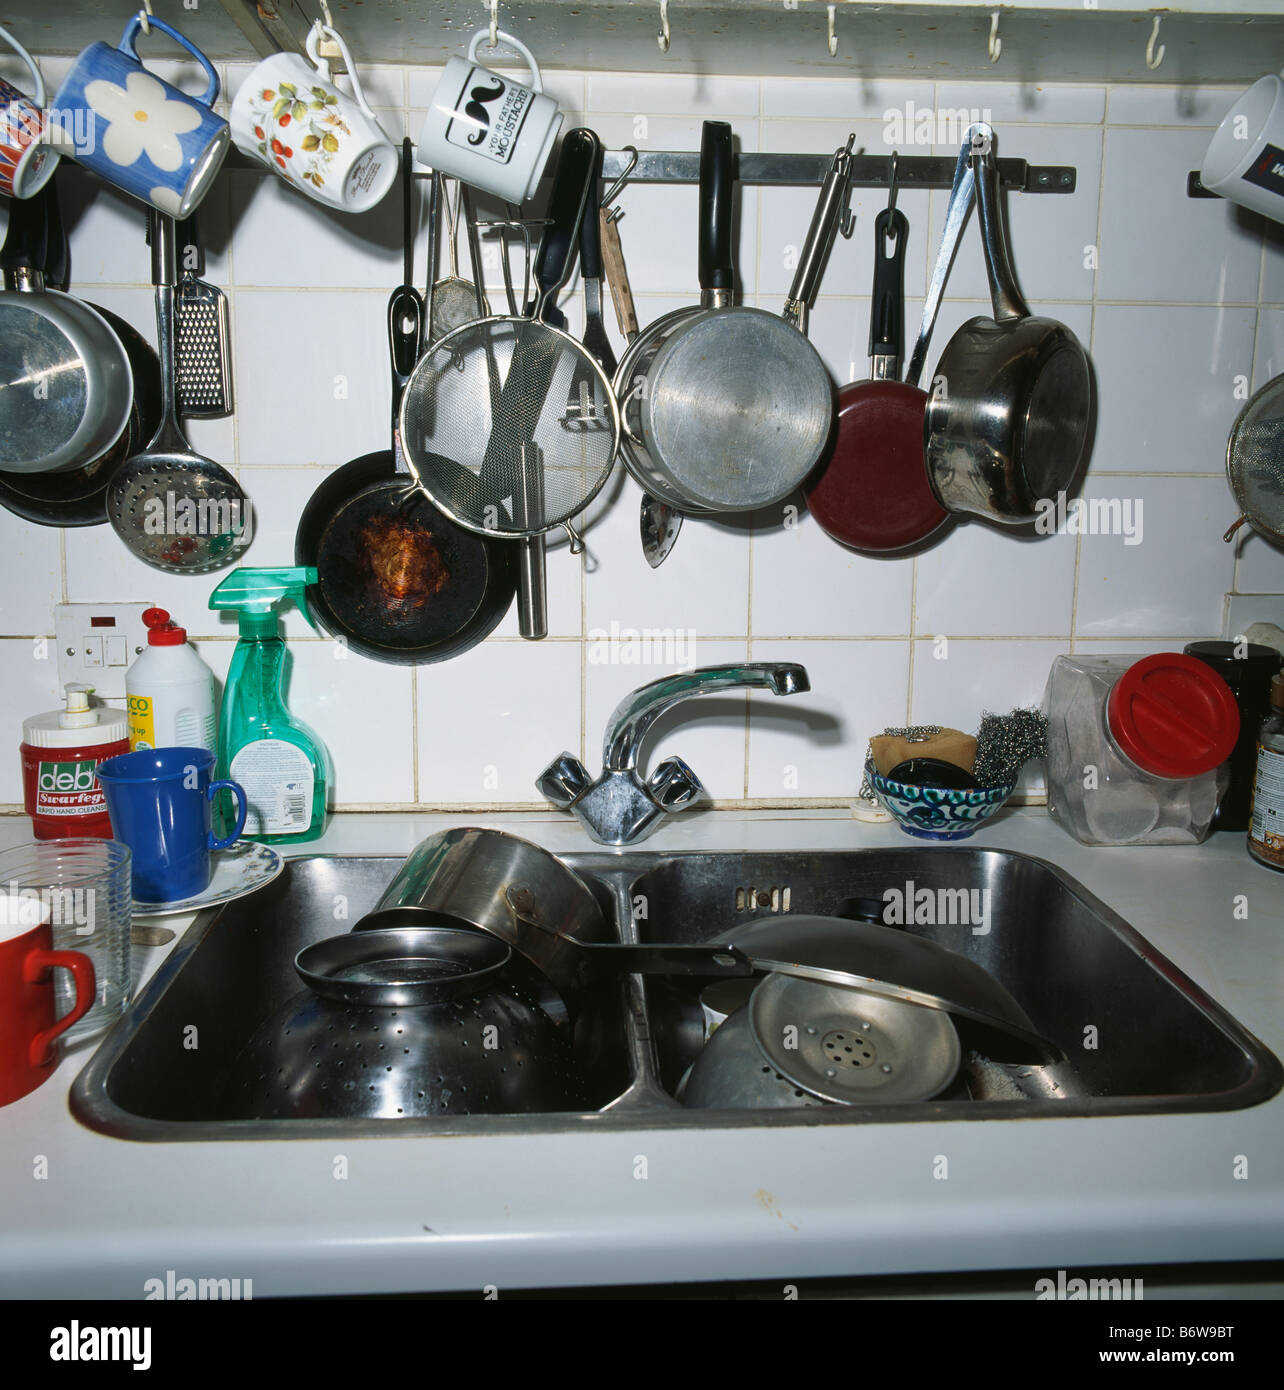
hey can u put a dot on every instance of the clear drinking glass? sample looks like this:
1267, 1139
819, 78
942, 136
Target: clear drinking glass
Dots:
86, 885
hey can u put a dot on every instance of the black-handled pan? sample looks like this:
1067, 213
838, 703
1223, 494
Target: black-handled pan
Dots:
1011, 406
872, 492
730, 408
396, 580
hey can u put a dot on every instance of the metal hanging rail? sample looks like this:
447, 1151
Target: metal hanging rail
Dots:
868, 171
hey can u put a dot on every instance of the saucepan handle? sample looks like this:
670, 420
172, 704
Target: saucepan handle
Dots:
1005, 295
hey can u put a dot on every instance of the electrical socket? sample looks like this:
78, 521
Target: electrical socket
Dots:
98, 642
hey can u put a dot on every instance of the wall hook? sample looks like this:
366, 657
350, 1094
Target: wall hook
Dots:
662, 38
995, 44
326, 16
1154, 56
145, 14
833, 37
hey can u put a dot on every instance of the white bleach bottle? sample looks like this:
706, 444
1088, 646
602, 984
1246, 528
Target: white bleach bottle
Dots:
170, 691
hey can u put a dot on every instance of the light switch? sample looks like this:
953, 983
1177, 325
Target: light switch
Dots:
115, 650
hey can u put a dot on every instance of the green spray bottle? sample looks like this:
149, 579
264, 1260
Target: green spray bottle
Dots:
284, 767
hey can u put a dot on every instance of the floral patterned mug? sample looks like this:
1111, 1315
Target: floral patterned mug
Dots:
291, 117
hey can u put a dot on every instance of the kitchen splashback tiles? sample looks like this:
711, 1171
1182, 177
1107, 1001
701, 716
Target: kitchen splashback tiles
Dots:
312, 376
1205, 363
987, 581
1156, 244
308, 296
1171, 583
805, 583
491, 720
812, 745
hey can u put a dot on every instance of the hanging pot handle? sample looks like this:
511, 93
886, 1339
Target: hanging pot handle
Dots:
1009, 305
716, 185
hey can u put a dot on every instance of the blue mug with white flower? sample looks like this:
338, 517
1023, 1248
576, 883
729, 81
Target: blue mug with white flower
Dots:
135, 130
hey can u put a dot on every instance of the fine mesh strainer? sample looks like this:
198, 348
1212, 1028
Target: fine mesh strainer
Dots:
1255, 463
508, 424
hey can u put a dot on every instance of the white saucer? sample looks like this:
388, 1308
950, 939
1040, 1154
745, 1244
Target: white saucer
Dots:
237, 871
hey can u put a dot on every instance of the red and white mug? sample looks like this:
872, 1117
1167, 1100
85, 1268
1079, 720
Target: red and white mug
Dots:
26, 162
28, 1027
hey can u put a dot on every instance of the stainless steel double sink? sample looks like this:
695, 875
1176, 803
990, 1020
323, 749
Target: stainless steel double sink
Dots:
1138, 1036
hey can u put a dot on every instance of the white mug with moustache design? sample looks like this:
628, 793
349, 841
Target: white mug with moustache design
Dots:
488, 130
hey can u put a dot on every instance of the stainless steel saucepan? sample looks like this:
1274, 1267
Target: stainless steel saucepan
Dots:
726, 409
66, 388
1011, 408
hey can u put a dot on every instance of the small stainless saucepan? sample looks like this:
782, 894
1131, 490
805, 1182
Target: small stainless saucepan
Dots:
527, 898
66, 387
1010, 412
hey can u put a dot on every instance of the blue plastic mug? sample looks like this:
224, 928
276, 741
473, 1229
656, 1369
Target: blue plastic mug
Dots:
135, 130
159, 803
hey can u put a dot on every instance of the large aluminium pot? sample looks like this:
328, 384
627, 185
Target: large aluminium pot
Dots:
723, 408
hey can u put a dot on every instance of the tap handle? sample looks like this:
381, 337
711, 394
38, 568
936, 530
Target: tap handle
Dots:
675, 786
563, 781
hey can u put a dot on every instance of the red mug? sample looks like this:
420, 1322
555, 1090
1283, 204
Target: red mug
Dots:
27, 1025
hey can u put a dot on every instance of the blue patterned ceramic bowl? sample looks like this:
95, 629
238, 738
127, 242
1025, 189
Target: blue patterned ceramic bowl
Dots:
937, 813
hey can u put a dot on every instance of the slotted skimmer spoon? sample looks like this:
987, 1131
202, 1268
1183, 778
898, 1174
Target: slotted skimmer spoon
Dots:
175, 509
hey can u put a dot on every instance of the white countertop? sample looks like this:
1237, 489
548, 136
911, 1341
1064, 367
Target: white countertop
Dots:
384, 1215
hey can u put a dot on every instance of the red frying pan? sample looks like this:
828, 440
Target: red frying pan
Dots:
873, 493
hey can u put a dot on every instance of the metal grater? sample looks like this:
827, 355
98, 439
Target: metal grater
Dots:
202, 347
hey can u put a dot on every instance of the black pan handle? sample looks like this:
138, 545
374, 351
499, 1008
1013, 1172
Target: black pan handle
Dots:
555, 259
717, 271
26, 242
590, 232
887, 303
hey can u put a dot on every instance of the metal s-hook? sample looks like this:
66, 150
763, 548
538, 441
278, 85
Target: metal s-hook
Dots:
832, 40
145, 14
613, 192
325, 15
995, 43
847, 222
1154, 56
892, 189
493, 7
662, 38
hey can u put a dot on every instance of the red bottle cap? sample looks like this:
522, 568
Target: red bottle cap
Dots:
160, 631
1173, 715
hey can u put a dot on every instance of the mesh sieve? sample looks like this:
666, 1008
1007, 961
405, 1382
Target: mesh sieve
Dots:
510, 426
1255, 462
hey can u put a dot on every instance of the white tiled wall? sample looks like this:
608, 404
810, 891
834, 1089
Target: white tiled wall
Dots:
1180, 301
